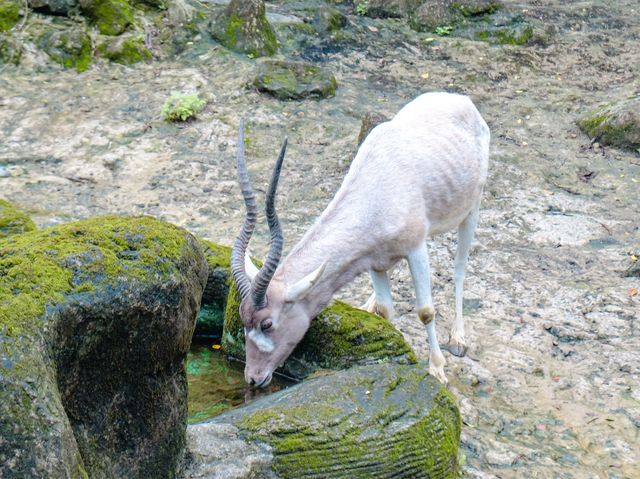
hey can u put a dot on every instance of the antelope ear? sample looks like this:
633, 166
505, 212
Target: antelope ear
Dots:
250, 268
299, 290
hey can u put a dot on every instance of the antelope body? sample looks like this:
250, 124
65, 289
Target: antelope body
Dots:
420, 174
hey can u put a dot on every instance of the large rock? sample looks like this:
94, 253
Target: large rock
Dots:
243, 27
96, 318
288, 80
339, 337
614, 124
125, 49
55, 7
112, 17
69, 47
13, 221
379, 421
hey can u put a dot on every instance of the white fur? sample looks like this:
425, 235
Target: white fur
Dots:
420, 174
262, 342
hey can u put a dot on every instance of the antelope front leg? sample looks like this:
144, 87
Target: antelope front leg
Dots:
380, 301
457, 345
421, 275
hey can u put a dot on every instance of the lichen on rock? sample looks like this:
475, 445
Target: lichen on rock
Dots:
243, 27
288, 80
615, 124
96, 318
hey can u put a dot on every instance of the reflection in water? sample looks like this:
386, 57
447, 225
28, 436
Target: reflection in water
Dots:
216, 384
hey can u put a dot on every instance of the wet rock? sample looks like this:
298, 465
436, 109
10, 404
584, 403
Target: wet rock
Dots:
387, 8
329, 19
369, 122
70, 47
339, 337
614, 124
382, 421
432, 16
214, 298
295, 80
13, 221
10, 14
243, 27
96, 318
125, 49
112, 17
55, 7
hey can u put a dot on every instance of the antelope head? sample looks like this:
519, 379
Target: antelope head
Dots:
274, 315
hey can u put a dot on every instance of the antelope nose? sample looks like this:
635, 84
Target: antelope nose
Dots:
252, 382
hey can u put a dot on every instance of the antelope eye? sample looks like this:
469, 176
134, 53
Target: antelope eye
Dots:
266, 324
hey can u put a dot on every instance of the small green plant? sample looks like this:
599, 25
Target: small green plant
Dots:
362, 8
444, 30
182, 106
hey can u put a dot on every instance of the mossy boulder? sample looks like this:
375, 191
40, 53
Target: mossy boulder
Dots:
288, 80
379, 421
10, 50
125, 49
111, 17
96, 319
339, 337
210, 319
243, 27
13, 221
446, 14
70, 47
9, 14
54, 7
615, 124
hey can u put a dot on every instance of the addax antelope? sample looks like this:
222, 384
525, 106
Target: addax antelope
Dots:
420, 174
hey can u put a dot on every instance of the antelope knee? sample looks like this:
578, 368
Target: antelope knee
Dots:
426, 314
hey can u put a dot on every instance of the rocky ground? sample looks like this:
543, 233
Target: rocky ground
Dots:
550, 386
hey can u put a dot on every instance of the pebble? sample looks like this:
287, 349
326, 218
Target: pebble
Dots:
4, 172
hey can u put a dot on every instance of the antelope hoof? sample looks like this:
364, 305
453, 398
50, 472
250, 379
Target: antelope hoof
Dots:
457, 347
436, 367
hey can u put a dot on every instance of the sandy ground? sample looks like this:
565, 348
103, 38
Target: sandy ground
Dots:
550, 387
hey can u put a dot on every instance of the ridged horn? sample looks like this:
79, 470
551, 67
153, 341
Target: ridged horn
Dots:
242, 240
262, 280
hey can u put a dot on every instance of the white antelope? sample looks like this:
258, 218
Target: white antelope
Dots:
420, 174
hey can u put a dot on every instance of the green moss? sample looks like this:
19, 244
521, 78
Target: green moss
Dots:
41, 267
70, 48
112, 17
295, 80
507, 36
9, 14
13, 221
217, 255
475, 9
182, 106
127, 51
